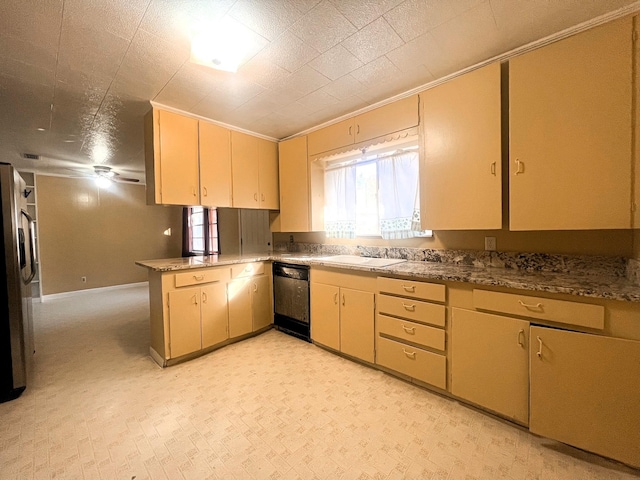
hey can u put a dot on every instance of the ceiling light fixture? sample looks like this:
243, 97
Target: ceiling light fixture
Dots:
103, 181
223, 46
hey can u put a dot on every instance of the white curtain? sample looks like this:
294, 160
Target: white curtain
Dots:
398, 195
340, 202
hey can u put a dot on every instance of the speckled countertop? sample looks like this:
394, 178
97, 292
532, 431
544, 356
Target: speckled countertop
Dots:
598, 284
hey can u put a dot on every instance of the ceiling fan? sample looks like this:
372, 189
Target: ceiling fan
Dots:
103, 171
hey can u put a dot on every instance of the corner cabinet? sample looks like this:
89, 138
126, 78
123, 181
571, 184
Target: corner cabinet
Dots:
195, 310
171, 158
461, 174
297, 212
342, 312
585, 391
570, 107
254, 172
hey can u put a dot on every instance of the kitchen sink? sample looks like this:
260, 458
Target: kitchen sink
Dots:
364, 261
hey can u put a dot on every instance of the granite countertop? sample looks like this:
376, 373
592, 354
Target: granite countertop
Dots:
597, 284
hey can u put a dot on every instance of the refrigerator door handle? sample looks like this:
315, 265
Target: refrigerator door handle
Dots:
32, 248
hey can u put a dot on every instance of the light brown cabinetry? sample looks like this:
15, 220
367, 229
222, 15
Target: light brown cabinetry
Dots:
254, 172
214, 314
410, 335
490, 362
570, 132
184, 317
215, 165
297, 213
250, 305
390, 118
584, 392
171, 158
342, 318
461, 187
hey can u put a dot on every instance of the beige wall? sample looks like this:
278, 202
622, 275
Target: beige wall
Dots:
593, 242
99, 233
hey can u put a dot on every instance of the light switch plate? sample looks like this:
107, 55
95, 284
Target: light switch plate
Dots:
490, 244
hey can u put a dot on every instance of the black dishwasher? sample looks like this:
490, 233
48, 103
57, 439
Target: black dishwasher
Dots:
291, 299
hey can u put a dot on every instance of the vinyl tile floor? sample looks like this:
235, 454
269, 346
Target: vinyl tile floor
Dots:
271, 407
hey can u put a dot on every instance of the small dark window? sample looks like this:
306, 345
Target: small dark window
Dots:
200, 231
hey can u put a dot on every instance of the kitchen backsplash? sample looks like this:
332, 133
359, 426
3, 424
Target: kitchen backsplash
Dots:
533, 262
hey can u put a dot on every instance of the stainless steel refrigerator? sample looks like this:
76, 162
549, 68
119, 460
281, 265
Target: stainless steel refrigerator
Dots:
18, 263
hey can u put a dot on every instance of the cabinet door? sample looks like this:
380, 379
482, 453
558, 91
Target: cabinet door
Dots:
490, 362
294, 185
261, 302
325, 315
268, 174
585, 392
215, 165
184, 322
357, 324
215, 316
178, 159
570, 133
461, 174
387, 119
334, 136
239, 298
244, 167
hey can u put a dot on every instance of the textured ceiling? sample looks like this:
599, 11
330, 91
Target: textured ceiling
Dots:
85, 70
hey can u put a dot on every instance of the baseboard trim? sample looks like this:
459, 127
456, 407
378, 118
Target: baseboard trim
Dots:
157, 358
55, 296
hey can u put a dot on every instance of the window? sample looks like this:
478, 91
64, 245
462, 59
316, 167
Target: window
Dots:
374, 195
200, 226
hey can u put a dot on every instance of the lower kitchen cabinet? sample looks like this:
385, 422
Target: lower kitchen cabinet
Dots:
342, 318
357, 324
214, 313
185, 324
325, 315
490, 362
585, 391
250, 307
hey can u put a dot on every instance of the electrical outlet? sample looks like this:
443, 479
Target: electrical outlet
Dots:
490, 244
290, 238
84, 279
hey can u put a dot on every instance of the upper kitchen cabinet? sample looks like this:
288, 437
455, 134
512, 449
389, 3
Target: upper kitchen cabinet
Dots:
570, 132
215, 165
461, 186
390, 118
171, 157
254, 172
296, 206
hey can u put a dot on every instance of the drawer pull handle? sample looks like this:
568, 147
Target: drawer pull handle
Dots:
343, 300
409, 288
198, 277
409, 354
521, 338
335, 298
255, 287
411, 308
195, 300
193, 191
519, 167
262, 196
528, 306
493, 168
410, 330
539, 353
255, 197
205, 191
204, 297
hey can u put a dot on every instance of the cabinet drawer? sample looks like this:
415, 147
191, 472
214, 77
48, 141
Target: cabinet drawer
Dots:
411, 332
196, 277
560, 311
247, 269
409, 288
416, 310
419, 364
